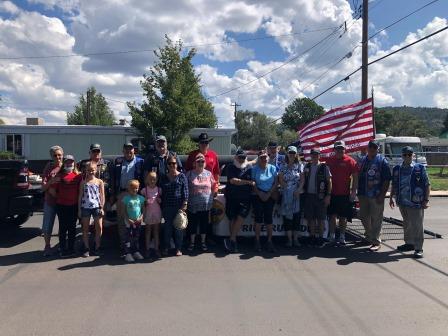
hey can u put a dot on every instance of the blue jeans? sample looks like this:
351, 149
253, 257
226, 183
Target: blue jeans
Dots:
48, 218
168, 228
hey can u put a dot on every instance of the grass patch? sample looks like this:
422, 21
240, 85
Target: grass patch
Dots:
438, 182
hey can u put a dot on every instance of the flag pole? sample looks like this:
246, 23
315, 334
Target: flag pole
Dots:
373, 114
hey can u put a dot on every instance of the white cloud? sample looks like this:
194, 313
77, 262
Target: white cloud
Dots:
8, 7
48, 88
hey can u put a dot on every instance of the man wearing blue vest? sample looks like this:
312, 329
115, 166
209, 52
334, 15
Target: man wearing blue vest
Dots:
411, 188
125, 168
374, 179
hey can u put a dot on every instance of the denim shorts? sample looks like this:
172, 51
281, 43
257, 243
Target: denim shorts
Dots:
95, 212
48, 218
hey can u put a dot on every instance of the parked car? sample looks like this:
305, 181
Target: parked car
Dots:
15, 199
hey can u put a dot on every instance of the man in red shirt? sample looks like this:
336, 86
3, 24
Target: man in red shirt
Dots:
343, 171
211, 158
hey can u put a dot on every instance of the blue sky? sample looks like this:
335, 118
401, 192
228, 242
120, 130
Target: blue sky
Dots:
50, 87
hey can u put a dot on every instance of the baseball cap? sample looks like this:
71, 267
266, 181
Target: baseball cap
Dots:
373, 143
315, 151
95, 147
339, 144
69, 158
160, 138
407, 149
128, 144
292, 149
240, 152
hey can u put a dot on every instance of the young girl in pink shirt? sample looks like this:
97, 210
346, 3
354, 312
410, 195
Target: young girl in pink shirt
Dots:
153, 212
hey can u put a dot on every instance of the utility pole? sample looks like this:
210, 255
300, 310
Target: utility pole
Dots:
365, 49
88, 107
236, 105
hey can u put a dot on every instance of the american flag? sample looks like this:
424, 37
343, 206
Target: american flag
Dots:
351, 123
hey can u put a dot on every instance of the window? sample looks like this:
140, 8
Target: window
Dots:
14, 144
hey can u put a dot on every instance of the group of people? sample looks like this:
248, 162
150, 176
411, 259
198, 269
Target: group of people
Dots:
158, 196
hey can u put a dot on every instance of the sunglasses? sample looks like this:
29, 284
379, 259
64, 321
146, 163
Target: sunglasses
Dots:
263, 157
292, 153
407, 154
200, 161
204, 142
242, 157
172, 163
96, 151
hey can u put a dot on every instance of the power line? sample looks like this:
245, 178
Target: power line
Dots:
278, 67
401, 19
119, 52
381, 58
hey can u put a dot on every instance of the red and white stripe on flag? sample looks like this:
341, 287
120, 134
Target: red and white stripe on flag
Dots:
351, 123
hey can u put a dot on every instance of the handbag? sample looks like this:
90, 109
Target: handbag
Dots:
180, 221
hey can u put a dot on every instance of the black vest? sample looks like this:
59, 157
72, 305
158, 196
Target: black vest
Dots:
320, 180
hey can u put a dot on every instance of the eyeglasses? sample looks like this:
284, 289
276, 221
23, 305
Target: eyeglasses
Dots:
172, 163
200, 161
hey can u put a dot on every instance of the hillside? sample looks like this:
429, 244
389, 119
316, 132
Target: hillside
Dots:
398, 120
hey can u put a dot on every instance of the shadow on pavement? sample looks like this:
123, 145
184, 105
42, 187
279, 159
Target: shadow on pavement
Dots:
15, 236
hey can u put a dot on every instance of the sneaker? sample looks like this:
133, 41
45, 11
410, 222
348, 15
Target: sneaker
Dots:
375, 247
405, 248
98, 252
138, 256
204, 247
128, 258
148, 254
271, 247
342, 241
320, 242
227, 244
190, 247
47, 251
257, 246
289, 243
178, 253
418, 254
86, 254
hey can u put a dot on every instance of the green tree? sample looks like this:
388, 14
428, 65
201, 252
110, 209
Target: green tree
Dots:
286, 136
445, 125
100, 113
301, 111
255, 129
174, 102
399, 123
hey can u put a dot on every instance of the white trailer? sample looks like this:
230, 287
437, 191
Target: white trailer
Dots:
34, 141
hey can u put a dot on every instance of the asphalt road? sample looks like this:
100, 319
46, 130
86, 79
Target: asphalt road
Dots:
329, 291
